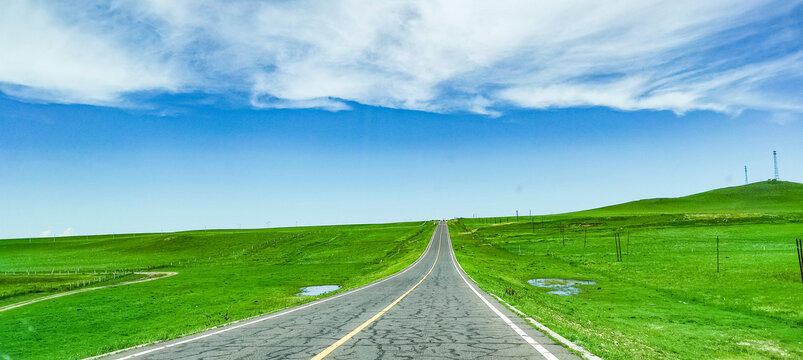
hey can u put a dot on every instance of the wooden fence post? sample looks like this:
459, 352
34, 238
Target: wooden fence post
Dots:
799, 244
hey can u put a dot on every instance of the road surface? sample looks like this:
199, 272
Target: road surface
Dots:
431, 310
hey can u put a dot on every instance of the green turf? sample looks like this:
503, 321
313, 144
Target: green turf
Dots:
767, 197
224, 275
665, 300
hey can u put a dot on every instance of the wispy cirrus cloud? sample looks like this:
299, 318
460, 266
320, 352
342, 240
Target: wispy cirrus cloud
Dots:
440, 56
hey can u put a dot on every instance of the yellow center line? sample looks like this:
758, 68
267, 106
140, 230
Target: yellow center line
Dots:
348, 336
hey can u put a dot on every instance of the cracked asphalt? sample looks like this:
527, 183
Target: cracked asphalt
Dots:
441, 319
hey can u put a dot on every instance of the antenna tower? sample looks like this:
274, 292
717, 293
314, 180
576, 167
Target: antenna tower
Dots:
775, 162
745, 175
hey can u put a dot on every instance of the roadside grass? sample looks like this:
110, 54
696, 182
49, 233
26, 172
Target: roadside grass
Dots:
223, 275
665, 300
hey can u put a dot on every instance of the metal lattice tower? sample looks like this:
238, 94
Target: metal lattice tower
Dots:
775, 162
745, 175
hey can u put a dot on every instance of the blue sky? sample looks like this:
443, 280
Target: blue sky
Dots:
163, 116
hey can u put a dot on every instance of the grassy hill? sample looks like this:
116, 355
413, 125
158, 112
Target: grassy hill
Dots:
766, 197
707, 276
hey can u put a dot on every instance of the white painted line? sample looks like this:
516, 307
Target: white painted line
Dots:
538, 347
268, 317
586, 354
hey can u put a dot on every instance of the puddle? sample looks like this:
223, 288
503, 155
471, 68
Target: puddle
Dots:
317, 290
562, 287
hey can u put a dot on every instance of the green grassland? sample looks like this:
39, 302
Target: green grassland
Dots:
665, 300
223, 275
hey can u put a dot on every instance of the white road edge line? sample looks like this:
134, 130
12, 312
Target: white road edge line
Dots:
540, 348
267, 317
586, 354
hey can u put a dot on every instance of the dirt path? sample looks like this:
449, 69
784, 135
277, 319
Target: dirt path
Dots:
150, 276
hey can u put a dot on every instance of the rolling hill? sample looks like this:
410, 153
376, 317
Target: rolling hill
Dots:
766, 197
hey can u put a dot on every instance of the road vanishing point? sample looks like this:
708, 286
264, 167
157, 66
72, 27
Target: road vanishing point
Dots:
431, 310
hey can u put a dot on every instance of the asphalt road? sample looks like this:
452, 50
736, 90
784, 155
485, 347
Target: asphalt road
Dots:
431, 310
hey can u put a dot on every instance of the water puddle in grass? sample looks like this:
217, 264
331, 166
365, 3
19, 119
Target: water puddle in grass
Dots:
562, 287
317, 290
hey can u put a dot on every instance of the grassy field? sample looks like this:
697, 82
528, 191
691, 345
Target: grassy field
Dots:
223, 275
665, 299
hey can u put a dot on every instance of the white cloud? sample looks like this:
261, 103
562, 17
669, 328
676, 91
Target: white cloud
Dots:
46, 233
46, 58
427, 55
68, 232
783, 118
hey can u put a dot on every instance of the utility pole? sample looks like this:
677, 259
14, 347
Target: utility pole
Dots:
717, 254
